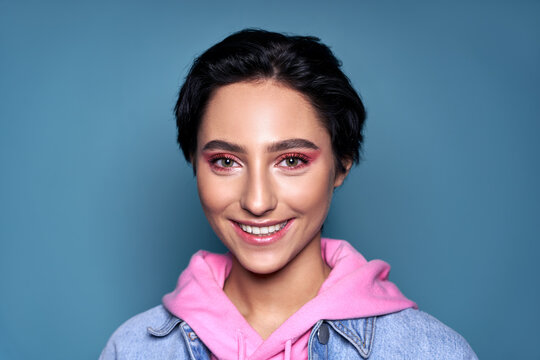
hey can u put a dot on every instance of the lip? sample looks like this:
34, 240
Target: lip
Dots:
258, 239
261, 223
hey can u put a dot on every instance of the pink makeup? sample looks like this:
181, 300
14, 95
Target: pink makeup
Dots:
302, 159
222, 161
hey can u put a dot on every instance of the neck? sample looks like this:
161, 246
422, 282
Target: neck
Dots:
268, 300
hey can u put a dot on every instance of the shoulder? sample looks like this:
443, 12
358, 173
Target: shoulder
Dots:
138, 325
144, 336
424, 336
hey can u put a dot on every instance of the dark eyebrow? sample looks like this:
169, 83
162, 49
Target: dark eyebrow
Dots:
274, 147
291, 144
223, 145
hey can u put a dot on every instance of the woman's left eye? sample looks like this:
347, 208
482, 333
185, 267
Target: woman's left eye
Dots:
292, 161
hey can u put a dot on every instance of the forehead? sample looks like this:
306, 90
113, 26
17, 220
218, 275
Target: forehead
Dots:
258, 113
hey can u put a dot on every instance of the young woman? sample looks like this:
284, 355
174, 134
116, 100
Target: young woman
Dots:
271, 127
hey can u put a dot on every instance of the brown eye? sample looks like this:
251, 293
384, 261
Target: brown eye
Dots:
226, 162
292, 161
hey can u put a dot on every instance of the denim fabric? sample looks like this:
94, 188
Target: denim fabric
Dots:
408, 334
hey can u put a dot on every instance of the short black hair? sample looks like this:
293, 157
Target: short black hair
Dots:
302, 63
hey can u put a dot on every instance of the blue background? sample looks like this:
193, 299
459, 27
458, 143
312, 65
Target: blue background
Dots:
99, 212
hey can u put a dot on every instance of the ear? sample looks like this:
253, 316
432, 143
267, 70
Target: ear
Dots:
340, 177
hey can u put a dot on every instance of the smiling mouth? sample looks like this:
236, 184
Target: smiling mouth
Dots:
262, 230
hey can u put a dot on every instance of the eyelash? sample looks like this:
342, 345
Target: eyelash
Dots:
303, 158
213, 160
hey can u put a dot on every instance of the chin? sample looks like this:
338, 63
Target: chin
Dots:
262, 267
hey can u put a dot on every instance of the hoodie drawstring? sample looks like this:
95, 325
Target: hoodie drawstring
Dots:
241, 345
288, 345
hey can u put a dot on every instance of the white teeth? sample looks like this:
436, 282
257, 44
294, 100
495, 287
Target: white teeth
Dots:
263, 230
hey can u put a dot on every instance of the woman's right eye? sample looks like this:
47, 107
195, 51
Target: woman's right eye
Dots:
225, 162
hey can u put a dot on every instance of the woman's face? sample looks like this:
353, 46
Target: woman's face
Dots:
265, 172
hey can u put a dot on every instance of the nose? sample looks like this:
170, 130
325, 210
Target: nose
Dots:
259, 195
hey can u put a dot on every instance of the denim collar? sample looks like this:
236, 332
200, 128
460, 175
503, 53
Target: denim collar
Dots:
196, 349
359, 332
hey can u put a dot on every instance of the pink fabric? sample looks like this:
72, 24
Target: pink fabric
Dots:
200, 301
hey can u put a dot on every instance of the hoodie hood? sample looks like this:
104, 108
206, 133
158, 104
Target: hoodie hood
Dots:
199, 300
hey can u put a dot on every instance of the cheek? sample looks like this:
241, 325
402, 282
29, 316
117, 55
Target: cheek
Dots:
213, 194
308, 194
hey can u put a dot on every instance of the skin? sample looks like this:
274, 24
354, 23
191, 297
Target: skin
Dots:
244, 177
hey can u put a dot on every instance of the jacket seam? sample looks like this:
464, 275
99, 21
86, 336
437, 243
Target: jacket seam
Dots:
354, 339
186, 341
352, 334
312, 336
166, 328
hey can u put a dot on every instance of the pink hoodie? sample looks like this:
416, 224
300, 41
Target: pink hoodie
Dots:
200, 301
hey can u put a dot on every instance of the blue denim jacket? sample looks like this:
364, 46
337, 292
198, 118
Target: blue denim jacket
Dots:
408, 334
